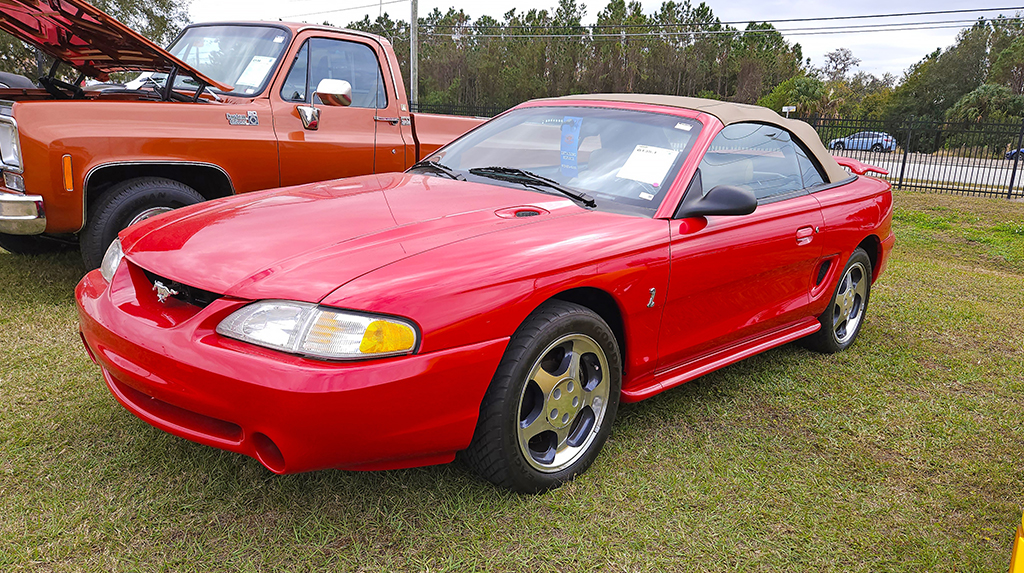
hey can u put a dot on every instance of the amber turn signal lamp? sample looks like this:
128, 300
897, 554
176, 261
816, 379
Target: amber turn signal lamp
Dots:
69, 181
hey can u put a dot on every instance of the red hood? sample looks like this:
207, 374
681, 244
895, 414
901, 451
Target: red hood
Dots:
302, 243
88, 39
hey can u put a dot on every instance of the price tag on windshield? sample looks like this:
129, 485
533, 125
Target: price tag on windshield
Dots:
570, 145
648, 164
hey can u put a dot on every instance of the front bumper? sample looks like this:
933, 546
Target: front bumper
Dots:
167, 365
21, 214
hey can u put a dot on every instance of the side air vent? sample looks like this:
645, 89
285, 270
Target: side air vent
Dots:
823, 271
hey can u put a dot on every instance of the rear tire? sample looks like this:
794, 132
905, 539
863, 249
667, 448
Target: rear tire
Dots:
32, 244
551, 403
126, 203
877, 148
842, 320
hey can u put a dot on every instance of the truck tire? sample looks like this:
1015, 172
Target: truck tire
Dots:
31, 244
127, 203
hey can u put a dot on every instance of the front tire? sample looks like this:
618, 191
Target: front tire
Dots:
551, 403
844, 317
126, 204
839, 146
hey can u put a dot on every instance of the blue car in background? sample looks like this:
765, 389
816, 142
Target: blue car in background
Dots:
865, 141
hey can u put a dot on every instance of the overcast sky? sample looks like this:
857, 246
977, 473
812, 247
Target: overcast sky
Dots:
880, 52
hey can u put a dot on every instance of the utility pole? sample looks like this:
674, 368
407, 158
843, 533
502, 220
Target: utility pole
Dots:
414, 60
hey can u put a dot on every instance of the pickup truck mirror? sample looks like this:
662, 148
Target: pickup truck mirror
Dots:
334, 92
720, 200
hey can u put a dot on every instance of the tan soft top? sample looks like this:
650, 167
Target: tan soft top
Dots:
729, 113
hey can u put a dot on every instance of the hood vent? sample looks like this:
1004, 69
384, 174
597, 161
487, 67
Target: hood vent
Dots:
520, 212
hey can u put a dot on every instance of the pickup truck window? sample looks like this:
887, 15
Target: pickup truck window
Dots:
321, 58
241, 56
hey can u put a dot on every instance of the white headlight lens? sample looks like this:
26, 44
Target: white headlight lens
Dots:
311, 330
111, 260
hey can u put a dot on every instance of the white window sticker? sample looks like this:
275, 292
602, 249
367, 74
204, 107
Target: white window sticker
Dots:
648, 164
255, 71
684, 126
278, 39
646, 196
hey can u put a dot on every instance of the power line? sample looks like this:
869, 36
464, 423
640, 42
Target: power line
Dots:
374, 5
740, 22
868, 28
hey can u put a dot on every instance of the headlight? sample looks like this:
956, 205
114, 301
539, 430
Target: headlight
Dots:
10, 146
311, 330
111, 260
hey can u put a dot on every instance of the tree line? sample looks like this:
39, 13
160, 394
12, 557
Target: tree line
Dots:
684, 49
681, 49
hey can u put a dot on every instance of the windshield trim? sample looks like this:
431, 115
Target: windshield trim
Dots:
277, 65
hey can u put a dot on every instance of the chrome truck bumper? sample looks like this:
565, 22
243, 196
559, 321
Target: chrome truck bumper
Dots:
21, 214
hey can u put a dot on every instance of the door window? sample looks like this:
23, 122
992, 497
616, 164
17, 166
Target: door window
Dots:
762, 158
323, 58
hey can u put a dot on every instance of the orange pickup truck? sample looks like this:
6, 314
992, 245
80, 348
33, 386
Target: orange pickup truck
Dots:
227, 108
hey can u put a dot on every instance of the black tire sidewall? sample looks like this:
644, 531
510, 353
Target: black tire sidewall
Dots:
512, 376
122, 203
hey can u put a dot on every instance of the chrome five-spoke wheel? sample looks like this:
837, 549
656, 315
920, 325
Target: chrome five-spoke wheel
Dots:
551, 402
563, 402
848, 305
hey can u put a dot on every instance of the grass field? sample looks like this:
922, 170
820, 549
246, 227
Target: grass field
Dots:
905, 453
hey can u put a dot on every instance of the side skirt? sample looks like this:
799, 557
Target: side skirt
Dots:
720, 358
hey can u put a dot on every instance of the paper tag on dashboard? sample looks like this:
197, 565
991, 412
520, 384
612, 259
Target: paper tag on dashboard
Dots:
648, 164
255, 72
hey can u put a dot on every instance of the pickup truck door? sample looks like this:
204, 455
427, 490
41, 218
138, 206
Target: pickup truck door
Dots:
345, 142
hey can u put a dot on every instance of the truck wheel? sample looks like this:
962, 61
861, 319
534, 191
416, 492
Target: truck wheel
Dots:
128, 203
31, 244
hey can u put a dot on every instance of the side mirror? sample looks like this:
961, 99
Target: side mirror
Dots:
721, 200
334, 92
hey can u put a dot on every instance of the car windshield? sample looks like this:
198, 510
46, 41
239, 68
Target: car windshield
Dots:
624, 160
240, 56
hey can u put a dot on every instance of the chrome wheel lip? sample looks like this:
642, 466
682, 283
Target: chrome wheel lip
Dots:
849, 303
596, 401
146, 214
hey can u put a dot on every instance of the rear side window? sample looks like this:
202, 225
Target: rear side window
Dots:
323, 58
762, 158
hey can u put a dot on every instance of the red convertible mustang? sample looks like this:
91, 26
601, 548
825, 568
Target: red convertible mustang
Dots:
499, 299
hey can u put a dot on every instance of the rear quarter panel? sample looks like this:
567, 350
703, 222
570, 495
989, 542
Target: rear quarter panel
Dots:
852, 213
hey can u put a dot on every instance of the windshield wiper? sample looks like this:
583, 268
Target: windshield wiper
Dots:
438, 168
527, 178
